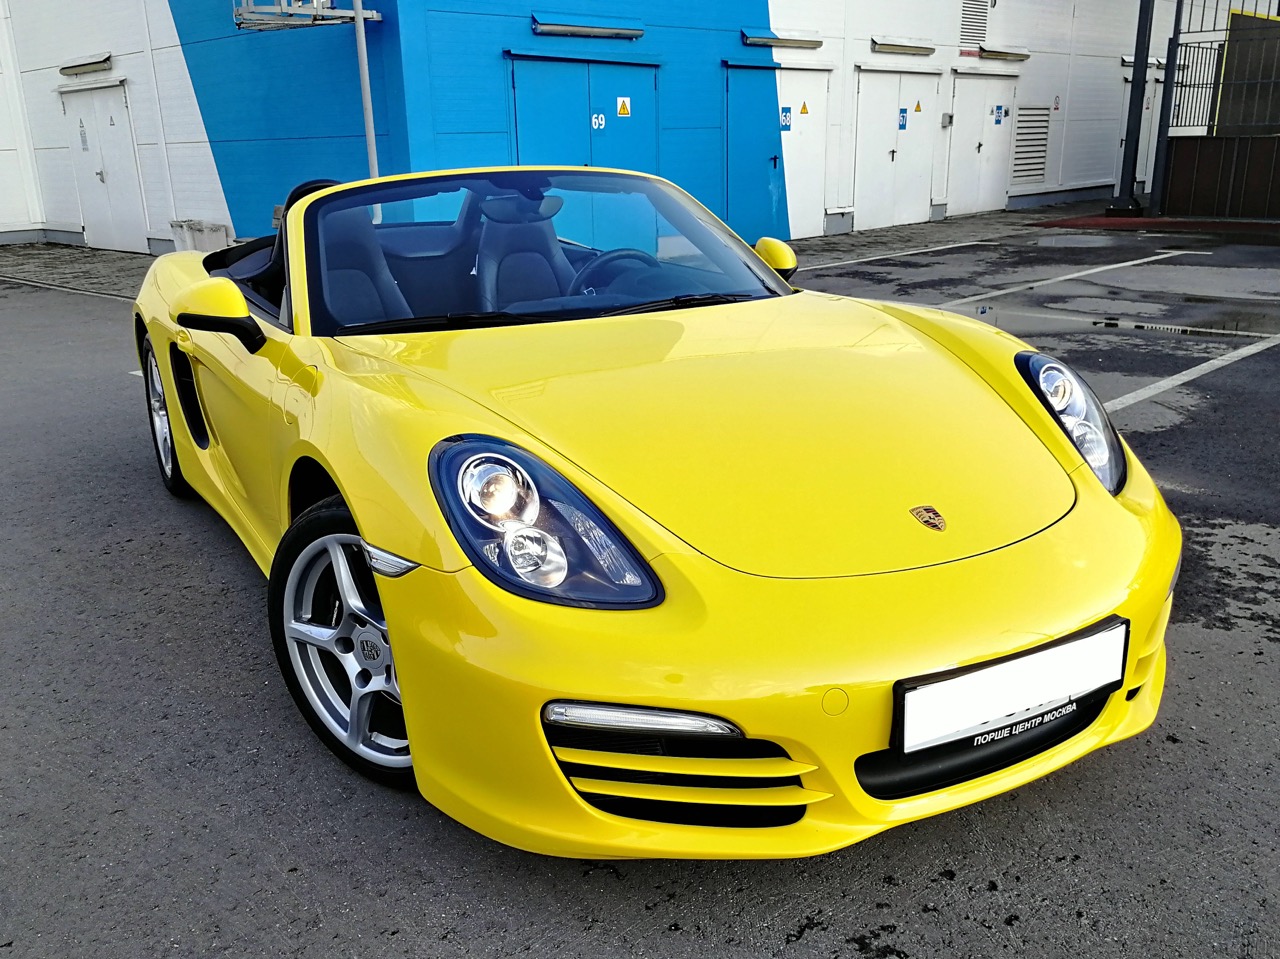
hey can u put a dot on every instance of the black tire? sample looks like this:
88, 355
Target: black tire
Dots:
162, 438
304, 590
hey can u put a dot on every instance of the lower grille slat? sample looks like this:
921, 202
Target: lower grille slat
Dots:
702, 780
769, 796
775, 768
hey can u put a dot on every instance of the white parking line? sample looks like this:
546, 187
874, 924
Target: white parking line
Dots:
1021, 287
135, 372
1186, 376
890, 256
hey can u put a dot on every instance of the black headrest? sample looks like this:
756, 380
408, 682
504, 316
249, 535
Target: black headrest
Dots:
520, 209
306, 188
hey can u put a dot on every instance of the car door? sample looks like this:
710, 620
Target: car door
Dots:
240, 394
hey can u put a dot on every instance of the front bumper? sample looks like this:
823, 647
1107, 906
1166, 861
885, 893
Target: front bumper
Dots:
808, 665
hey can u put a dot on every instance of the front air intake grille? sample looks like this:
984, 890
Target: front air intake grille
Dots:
718, 781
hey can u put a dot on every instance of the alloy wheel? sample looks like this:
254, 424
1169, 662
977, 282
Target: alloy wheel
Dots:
340, 652
160, 429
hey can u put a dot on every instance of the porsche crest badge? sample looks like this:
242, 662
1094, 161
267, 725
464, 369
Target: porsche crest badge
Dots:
930, 517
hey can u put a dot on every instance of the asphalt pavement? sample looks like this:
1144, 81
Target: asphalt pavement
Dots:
160, 795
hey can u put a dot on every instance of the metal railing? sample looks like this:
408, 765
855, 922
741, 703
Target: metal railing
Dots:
1226, 81
1223, 76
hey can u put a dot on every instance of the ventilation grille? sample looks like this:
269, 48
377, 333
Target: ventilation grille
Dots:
1031, 145
691, 780
973, 23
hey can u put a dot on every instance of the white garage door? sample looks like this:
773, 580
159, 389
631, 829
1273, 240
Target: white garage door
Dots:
802, 95
106, 169
981, 141
897, 129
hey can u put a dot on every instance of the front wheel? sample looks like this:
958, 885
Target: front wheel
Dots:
330, 638
162, 425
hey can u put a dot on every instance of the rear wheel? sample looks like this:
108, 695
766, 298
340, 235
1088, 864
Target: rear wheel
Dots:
162, 425
330, 638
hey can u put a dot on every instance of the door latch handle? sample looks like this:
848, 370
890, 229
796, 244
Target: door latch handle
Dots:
979, 146
774, 158
893, 156
100, 175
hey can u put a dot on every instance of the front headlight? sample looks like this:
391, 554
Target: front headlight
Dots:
531, 531
1080, 414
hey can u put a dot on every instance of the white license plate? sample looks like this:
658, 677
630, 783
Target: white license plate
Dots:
1023, 692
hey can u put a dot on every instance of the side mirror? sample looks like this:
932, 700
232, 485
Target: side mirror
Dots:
216, 305
778, 255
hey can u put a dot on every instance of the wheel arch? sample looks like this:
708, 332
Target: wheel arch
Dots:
310, 481
139, 332
380, 497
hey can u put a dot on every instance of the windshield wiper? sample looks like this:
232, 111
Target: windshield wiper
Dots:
465, 320
684, 300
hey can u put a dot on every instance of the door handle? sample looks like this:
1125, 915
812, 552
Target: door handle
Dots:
774, 158
979, 146
100, 175
893, 156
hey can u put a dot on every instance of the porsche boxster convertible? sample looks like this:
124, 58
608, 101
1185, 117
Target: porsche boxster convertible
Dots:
579, 517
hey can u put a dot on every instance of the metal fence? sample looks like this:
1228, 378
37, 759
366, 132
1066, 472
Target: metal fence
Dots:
1226, 80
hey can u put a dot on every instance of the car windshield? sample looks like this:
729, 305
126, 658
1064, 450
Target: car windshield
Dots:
517, 246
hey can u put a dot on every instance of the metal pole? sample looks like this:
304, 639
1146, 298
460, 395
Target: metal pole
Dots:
1166, 115
366, 97
1126, 203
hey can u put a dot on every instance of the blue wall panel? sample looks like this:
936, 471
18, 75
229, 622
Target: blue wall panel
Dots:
278, 107
462, 44
284, 106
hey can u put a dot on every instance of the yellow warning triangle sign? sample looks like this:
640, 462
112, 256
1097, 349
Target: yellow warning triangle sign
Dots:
623, 109
917, 106
804, 107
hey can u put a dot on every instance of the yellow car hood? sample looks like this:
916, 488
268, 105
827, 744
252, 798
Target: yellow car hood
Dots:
785, 437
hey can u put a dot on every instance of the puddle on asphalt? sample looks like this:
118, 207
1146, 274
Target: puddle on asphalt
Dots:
1236, 567
1104, 308
1078, 240
1080, 313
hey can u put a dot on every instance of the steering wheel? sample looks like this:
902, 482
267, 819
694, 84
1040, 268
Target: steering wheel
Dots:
592, 269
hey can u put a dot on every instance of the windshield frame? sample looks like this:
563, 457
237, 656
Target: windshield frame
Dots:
660, 193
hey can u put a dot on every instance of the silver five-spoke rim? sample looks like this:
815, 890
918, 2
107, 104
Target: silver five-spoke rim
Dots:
338, 647
159, 415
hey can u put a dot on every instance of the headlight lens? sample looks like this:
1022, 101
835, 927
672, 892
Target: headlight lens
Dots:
531, 531
1080, 414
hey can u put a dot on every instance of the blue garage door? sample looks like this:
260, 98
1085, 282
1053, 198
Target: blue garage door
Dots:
589, 114
597, 114
755, 189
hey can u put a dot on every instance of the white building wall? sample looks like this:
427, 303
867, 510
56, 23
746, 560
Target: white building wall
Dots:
19, 194
176, 170
1074, 71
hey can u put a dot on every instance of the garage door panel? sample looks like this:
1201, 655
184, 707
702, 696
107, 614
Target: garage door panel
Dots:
804, 148
913, 173
877, 138
553, 116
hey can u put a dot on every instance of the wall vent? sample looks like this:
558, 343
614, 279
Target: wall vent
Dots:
973, 23
1031, 145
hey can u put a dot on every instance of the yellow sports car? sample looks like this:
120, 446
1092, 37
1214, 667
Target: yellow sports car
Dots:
580, 518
